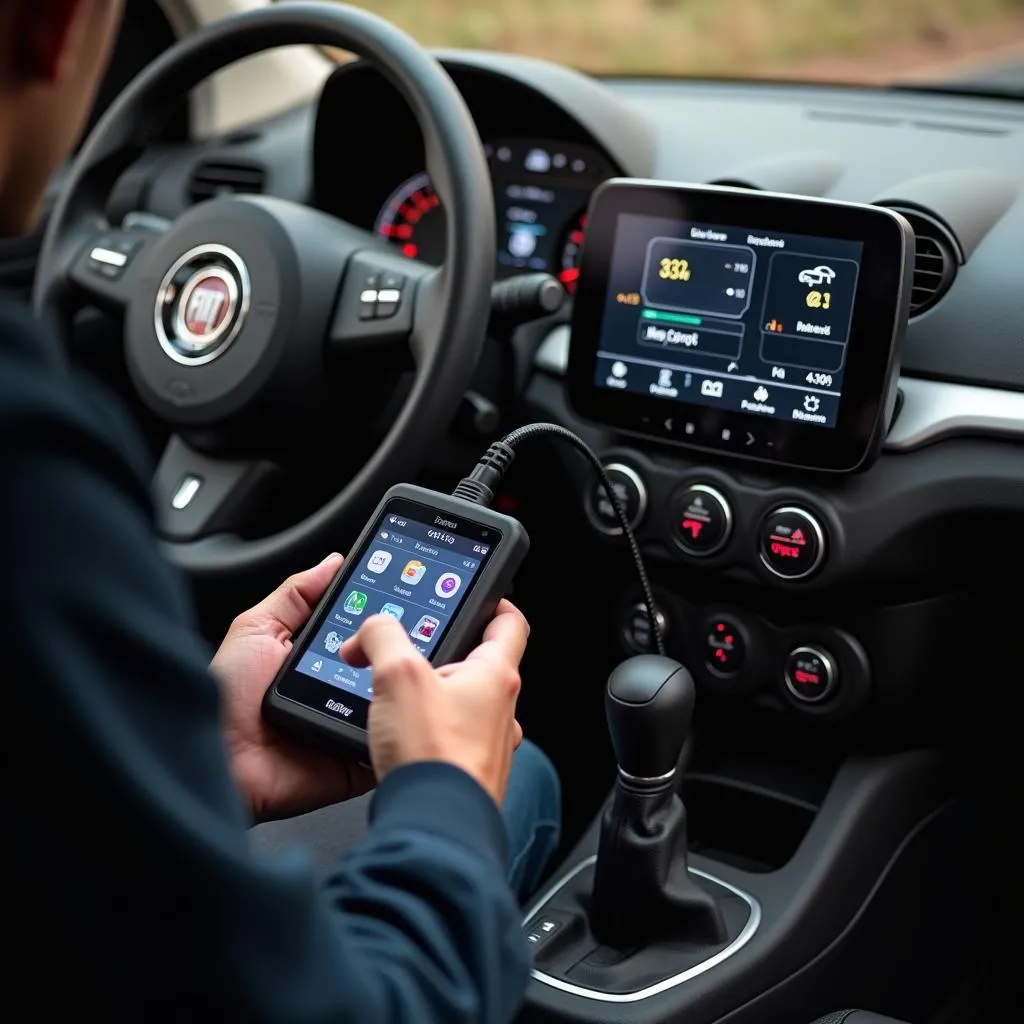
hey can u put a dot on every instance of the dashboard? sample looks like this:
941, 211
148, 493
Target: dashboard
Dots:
817, 595
863, 568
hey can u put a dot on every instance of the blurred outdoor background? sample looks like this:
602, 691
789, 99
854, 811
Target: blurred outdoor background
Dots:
873, 41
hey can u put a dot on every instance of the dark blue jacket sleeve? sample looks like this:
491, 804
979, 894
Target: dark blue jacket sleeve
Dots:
133, 888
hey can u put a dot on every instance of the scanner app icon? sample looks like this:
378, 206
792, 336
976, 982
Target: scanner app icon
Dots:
413, 572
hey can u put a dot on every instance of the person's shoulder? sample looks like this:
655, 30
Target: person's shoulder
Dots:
22, 336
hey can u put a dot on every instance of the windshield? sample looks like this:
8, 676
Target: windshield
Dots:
976, 43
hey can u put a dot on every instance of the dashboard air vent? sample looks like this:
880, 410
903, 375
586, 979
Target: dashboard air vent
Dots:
225, 178
935, 260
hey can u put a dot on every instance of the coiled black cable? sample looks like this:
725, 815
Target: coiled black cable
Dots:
480, 485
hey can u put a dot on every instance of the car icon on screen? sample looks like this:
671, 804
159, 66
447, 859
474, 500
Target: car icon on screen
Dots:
816, 275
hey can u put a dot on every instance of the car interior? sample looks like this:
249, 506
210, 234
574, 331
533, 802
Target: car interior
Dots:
812, 818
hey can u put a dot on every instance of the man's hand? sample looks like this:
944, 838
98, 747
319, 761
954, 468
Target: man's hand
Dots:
279, 776
462, 713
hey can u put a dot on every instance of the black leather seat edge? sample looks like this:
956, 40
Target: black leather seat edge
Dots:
856, 1017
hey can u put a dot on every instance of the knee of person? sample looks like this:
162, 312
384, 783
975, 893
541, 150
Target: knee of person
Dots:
544, 781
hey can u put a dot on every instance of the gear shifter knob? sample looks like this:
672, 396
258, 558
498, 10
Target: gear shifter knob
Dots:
649, 704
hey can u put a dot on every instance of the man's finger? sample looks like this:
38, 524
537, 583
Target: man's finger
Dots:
290, 606
380, 642
504, 640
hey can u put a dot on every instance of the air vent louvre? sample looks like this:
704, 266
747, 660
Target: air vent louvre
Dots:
935, 260
226, 178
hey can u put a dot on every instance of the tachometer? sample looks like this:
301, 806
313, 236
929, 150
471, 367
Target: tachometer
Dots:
571, 249
413, 220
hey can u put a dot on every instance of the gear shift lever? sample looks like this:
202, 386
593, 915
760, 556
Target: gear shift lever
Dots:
642, 889
649, 705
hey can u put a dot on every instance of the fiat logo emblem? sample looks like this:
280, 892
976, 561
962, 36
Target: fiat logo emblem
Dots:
201, 304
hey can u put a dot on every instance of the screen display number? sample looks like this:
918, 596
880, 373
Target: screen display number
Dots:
674, 270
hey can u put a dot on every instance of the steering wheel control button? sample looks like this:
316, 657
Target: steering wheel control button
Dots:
380, 297
201, 304
111, 254
792, 543
389, 297
725, 650
810, 675
637, 630
631, 492
187, 490
368, 298
387, 302
108, 257
701, 520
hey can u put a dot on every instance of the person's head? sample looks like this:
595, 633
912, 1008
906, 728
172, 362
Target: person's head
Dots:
53, 54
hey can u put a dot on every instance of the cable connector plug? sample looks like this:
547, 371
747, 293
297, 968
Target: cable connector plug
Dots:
480, 485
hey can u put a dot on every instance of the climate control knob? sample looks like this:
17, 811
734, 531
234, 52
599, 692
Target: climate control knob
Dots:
701, 519
811, 674
631, 491
792, 543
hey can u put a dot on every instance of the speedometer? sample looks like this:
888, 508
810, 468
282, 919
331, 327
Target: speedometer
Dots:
572, 246
413, 220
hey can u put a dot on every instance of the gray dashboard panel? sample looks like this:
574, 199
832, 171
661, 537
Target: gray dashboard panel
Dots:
888, 144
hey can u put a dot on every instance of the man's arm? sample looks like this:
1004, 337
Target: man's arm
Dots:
132, 865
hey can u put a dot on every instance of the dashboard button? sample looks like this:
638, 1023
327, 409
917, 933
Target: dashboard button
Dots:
810, 675
725, 649
630, 490
792, 543
701, 520
637, 629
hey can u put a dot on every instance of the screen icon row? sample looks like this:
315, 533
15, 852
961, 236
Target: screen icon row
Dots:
423, 630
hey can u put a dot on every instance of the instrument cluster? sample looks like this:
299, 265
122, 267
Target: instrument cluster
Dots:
541, 191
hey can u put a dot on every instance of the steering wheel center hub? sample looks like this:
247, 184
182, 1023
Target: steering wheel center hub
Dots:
208, 331
201, 304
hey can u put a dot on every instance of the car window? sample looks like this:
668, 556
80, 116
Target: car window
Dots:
857, 41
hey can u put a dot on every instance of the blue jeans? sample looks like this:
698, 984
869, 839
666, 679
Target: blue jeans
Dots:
533, 816
532, 812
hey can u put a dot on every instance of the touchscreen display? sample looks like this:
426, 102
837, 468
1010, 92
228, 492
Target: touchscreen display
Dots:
742, 319
415, 569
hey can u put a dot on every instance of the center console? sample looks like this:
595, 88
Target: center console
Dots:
734, 358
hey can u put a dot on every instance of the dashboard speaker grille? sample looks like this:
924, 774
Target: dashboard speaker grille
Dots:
213, 179
935, 260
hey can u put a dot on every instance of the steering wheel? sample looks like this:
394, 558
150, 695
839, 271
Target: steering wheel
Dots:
234, 311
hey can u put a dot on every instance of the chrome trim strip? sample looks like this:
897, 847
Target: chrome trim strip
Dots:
933, 410
232, 324
646, 779
745, 935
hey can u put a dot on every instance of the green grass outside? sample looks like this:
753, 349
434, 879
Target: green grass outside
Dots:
698, 37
